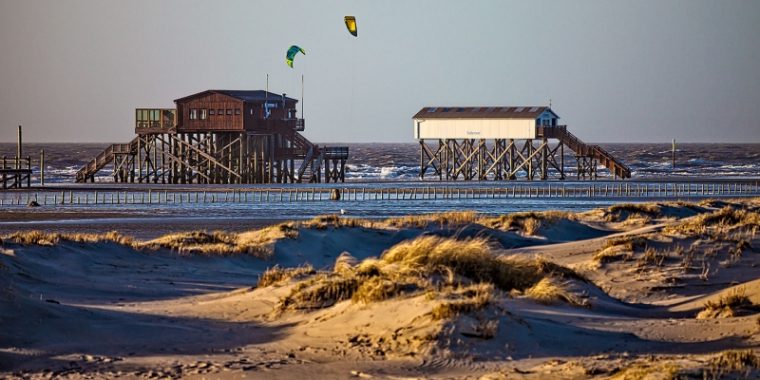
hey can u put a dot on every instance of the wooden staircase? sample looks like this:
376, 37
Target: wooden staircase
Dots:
615, 166
104, 158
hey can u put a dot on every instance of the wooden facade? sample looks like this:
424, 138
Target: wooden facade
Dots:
221, 136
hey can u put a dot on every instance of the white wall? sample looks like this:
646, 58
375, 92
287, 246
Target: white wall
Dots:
474, 129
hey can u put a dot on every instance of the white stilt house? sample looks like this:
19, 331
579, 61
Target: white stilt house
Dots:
502, 143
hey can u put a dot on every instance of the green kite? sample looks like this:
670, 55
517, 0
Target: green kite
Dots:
291, 54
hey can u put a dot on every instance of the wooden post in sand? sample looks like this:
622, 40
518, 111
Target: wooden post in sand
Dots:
42, 167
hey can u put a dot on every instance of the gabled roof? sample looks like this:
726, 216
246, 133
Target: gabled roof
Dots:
524, 112
244, 95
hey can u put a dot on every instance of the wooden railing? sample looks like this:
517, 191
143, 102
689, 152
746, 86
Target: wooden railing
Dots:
104, 158
575, 144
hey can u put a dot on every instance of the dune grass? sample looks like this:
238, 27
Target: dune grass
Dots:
48, 239
732, 304
258, 243
459, 275
619, 248
528, 222
464, 300
450, 219
727, 218
277, 275
624, 211
743, 363
649, 370
551, 291
322, 222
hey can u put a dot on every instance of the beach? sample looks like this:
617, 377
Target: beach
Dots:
646, 289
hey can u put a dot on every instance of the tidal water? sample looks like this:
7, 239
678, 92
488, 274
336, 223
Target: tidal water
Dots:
400, 162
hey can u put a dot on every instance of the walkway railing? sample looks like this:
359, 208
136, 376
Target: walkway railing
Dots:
633, 191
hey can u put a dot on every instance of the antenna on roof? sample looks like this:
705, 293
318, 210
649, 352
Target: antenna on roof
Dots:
302, 116
266, 100
550, 102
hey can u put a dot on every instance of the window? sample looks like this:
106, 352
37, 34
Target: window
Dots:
237, 111
519, 109
204, 114
533, 109
193, 113
431, 109
211, 112
220, 112
229, 111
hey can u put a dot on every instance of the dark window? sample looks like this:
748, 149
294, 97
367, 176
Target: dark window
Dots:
237, 111
220, 112
431, 109
229, 111
211, 112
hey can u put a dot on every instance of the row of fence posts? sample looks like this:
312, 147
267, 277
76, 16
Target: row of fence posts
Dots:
370, 194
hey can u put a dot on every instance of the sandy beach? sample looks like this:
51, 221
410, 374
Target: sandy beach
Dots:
667, 290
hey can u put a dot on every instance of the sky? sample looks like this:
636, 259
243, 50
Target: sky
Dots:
615, 71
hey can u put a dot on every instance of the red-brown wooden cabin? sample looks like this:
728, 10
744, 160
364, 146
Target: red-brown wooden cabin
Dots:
236, 111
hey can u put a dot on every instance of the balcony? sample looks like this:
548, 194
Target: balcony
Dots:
273, 124
155, 120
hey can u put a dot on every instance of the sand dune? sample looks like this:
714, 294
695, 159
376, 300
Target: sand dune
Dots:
608, 293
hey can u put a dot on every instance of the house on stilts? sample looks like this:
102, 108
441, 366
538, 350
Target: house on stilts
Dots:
503, 143
221, 137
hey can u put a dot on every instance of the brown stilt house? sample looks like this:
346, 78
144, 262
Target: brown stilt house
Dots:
221, 136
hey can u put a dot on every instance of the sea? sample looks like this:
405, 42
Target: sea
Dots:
370, 165
400, 162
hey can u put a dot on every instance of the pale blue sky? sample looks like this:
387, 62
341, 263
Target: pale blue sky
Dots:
634, 71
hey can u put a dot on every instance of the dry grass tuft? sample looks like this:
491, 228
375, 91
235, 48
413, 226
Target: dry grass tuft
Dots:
719, 222
528, 222
259, 243
649, 370
460, 274
49, 239
320, 291
652, 256
624, 211
620, 248
344, 263
550, 291
734, 361
322, 222
277, 275
450, 219
466, 300
728, 306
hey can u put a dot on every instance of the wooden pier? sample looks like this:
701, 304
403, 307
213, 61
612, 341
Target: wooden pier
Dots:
221, 137
16, 172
